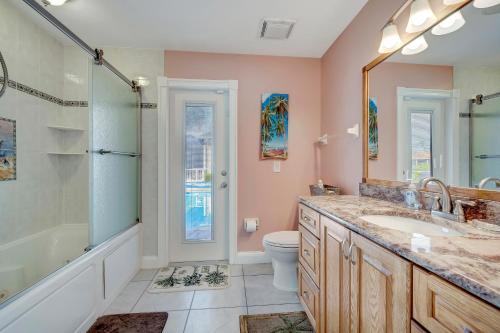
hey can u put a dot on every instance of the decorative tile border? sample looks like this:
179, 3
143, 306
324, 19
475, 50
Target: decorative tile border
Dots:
76, 103
149, 106
40, 94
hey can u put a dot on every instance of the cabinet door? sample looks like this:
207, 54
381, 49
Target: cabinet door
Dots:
380, 289
334, 277
443, 308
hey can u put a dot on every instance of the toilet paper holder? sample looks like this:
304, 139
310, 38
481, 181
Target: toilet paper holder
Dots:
251, 224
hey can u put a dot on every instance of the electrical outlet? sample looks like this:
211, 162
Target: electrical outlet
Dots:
277, 166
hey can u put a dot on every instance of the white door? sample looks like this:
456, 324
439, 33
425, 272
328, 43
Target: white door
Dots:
199, 164
421, 137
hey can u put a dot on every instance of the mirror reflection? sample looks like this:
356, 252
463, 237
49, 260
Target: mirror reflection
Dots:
434, 107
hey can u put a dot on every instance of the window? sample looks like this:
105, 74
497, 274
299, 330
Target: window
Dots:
421, 145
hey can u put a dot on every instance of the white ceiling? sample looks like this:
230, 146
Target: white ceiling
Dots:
476, 43
224, 26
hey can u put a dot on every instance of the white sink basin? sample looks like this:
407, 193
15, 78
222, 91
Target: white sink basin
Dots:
410, 225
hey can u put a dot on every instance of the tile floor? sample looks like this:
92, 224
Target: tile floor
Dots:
206, 311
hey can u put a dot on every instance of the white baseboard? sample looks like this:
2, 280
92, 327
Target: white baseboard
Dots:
150, 262
252, 257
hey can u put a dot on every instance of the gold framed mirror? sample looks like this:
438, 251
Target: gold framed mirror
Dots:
418, 98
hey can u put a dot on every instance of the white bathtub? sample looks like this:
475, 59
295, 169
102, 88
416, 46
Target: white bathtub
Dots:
70, 299
26, 261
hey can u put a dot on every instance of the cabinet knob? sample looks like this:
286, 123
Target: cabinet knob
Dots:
306, 252
467, 330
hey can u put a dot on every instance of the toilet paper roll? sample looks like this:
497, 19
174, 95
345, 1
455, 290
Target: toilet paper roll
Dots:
251, 225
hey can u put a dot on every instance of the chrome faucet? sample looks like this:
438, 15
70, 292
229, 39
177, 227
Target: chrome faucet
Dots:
446, 197
444, 209
486, 180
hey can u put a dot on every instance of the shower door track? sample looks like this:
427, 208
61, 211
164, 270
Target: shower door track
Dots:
59, 25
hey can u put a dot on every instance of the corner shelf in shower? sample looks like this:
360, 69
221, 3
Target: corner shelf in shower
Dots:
66, 128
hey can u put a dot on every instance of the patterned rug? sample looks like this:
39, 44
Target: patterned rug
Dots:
288, 322
185, 278
153, 322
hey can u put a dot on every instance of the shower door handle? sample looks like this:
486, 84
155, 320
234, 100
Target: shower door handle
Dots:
113, 152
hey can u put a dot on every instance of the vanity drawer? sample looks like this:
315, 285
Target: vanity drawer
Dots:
309, 253
309, 219
309, 297
441, 307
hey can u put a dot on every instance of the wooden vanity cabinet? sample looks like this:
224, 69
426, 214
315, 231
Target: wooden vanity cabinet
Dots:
441, 307
348, 283
334, 277
380, 288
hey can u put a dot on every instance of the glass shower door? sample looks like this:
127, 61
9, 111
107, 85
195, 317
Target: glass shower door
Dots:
485, 148
115, 155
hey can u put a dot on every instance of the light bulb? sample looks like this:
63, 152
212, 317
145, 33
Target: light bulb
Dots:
452, 2
421, 16
56, 2
390, 39
142, 81
449, 24
417, 46
485, 3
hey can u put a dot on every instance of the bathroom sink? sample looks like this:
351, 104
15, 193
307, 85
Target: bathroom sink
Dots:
410, 225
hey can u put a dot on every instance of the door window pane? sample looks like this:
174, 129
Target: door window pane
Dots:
421, 145
198, 186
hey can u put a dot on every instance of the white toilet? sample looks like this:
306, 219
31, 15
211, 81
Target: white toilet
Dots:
283, 248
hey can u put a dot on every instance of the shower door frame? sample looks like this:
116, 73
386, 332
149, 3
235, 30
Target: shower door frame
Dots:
479, 100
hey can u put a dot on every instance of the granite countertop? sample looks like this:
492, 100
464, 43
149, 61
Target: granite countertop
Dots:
471, 261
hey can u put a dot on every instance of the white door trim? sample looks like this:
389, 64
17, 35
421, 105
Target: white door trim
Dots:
164, 84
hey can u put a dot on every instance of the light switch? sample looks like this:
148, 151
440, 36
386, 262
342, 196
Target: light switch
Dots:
277, 166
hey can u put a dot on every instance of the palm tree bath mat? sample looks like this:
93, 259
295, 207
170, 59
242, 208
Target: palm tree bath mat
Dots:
287, 322
185, 278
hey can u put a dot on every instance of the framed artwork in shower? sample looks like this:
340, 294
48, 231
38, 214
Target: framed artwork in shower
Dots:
7, 149
274, 126
373, 129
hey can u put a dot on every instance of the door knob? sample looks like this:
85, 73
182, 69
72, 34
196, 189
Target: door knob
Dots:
223, 185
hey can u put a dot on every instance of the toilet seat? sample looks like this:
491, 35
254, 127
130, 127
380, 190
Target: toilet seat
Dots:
283, 239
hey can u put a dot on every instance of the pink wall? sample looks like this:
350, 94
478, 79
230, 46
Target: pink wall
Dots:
341, 159
384, 80
272, 197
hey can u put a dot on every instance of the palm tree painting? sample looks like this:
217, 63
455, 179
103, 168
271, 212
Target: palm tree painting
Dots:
274, 126
7, 149
373, 129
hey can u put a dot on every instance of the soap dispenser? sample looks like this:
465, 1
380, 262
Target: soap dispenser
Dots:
412, 197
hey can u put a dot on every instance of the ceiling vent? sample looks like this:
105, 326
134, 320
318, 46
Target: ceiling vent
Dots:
276, 29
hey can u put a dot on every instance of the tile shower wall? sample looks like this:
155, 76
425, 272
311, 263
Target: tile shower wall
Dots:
39, 198
75, 173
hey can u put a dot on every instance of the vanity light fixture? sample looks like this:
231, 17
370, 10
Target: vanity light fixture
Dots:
421, 16
415, 47
485, 3
54, 2
450, 24
390, 39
